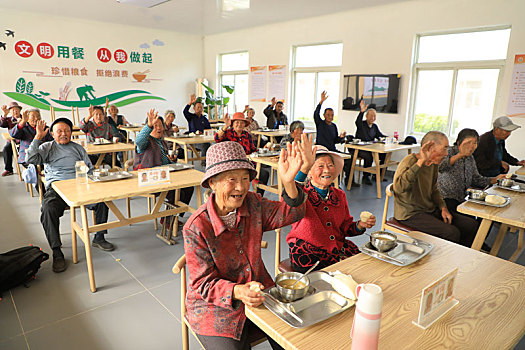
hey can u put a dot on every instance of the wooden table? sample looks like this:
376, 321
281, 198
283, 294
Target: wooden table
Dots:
490, 313
131, 129
78, 195
272, 134
190, 142
112, 148
377, 169
510, 216
520, 171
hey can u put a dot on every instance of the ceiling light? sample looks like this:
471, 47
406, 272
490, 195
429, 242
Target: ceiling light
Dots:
143, 3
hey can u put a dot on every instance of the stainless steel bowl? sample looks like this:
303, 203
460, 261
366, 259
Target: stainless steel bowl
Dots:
477, 194
292, 294
505, 182
383, 241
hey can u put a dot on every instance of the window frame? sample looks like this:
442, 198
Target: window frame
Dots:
316, 70
455, 66
221, 74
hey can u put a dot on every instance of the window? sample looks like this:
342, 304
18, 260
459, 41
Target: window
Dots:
455, 80
316, 68
233, 71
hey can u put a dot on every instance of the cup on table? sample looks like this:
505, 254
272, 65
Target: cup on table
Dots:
115, 140
81, 171
82, 143
170, 152
282, 127
389, 141
356, 141
98, 141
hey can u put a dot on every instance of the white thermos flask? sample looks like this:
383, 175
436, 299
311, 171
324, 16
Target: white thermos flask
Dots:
367, 317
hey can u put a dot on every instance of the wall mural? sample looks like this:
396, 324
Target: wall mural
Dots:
84, 94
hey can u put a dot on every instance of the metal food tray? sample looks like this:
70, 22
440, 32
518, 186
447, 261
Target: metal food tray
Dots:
321, 302
112, 176
520, 189
178, 166
267, 154
403, 254
105, 142
507, 201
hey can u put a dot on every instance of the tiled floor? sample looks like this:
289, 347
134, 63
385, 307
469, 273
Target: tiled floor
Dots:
137, 305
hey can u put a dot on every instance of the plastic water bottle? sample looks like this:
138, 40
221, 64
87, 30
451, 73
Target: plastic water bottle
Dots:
81, 171
367, 317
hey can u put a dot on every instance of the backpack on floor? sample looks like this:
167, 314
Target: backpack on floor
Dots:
19, 266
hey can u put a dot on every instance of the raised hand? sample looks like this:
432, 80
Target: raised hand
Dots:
107, 104
363, 106
307, 152
425, 153
324, 96
343, 134
25, 118
5, 110
274, 101
290, 163
41, 130
227, 121
246, 108
91, 110
193, 98
152, 117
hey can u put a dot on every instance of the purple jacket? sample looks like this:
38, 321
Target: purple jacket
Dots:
26, 136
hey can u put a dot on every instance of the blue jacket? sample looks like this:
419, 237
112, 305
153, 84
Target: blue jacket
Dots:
327, 134
26, 136
194, 122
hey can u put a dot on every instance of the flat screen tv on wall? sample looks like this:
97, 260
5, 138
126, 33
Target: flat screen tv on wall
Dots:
380, 91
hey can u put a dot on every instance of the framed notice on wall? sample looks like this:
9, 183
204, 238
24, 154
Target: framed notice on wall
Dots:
258, 83
516, 106
277, 82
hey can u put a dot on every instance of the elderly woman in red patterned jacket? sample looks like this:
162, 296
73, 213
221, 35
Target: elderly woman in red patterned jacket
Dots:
321, 235
222, 242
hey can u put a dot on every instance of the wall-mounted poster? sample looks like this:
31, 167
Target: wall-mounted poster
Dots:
258, 83
516, 106
277, 82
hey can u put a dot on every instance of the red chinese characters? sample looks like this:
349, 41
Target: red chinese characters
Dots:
45, 50
24, 49
104, 55
120, 56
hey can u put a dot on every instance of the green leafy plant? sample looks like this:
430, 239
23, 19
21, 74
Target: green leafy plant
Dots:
424, 123
212, 101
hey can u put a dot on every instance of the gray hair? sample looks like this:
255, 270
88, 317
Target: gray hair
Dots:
34, 110
250, 109
436, 136
370, 110
168, 112
296, 125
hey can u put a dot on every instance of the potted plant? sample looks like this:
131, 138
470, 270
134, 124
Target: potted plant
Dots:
215, 105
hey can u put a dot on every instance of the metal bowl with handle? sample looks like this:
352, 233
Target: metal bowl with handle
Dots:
299, 290
383, 241
477, 194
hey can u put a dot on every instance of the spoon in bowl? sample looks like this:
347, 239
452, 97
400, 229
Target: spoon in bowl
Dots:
306, 273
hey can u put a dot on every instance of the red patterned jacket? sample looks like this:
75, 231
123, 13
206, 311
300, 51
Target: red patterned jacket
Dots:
218, 258
245, 140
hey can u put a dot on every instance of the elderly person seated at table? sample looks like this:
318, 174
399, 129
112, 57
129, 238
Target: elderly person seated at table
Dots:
417, 200
322, 234
367, 130
197, 122
296, 130
151, 150
59, 158
116, 121
170, 129
9, 121
98, 128
458, 172
222, 242
491, 155
233, 130
25, 131
328, 136
250, 114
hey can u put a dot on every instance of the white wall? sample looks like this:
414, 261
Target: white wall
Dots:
178, 63
378, 40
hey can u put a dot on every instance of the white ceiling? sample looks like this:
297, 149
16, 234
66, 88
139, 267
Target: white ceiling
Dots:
202, 17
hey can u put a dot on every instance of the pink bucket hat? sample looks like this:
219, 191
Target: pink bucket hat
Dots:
13, 104
225, 156
240, 116
338, 160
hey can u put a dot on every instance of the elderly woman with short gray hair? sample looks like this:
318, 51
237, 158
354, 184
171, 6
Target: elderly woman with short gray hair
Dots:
222, 242
296, 130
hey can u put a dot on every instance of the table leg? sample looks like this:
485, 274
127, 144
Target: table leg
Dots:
259, 141
73, 215
519, 249
483, 230
175, 223
258, 170
113, 162
378, 174
186, 154
199, 195
387, 160
87, 246
351, 175
124, 158
99, 160
499, 239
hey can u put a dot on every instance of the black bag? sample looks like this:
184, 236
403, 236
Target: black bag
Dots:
19, 266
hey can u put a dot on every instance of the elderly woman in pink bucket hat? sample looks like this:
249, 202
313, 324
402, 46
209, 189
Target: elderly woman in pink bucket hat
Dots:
222, 242
321, 234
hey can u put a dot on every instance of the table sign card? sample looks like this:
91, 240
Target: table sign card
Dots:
436, 300
154, 176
